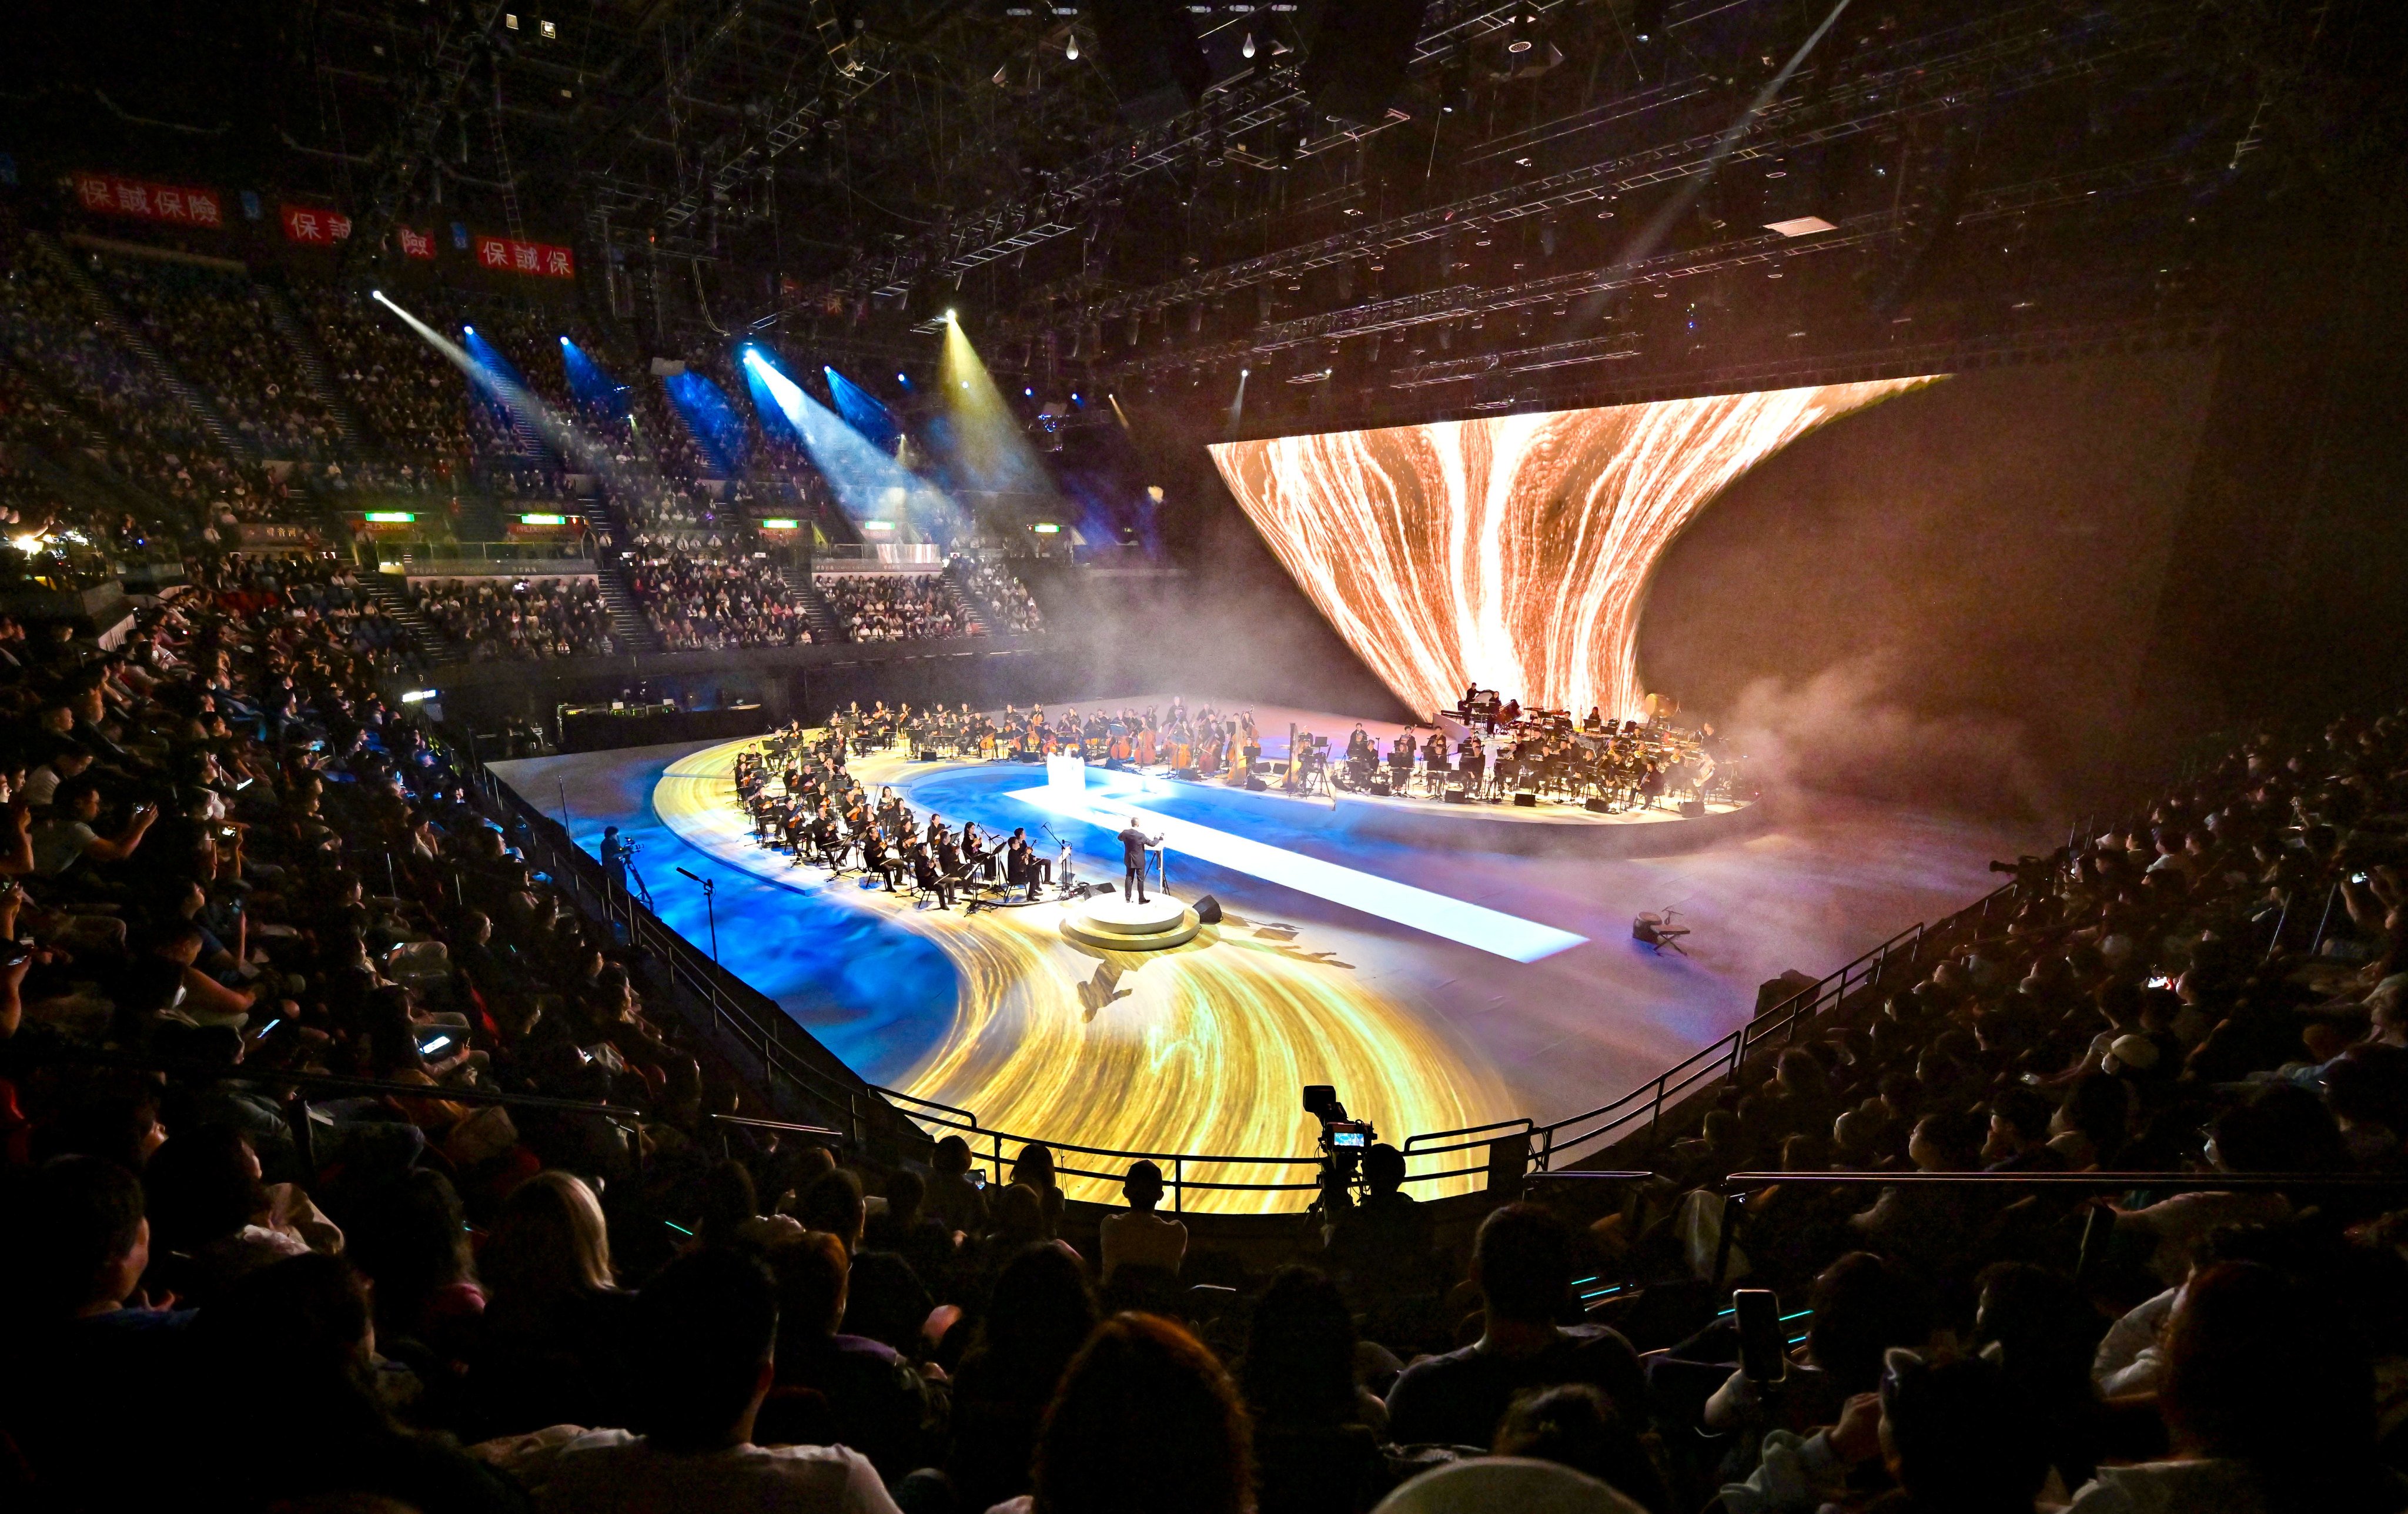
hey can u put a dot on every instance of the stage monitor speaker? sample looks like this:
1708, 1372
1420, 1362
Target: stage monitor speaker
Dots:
1456, 796
1693, 809
1149, 54
1524, 799
1254, 784
1598, 806
1360, 52
1208, 910
927, 754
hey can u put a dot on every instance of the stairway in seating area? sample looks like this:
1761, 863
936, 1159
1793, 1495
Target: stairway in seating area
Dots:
104, 311
312, 361
392, 598
817, 612
978, 616
629, 625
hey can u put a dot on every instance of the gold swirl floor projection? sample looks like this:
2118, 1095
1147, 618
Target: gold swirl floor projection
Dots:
1510, 550
1203, 1048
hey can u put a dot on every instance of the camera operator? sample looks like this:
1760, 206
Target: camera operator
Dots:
1380, 1248
2035, 877
616, 855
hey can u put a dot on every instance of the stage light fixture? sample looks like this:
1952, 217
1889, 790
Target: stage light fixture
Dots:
468, 331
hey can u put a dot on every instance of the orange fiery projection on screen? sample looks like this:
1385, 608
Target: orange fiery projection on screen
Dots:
1512, 551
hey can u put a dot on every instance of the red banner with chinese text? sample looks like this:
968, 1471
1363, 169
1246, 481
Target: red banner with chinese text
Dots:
508, 254
180, 205
418, 244
314, 225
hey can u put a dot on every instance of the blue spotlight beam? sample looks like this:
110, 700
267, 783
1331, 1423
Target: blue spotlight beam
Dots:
593, 386
863, 412
713, 419
868, 485
497, 382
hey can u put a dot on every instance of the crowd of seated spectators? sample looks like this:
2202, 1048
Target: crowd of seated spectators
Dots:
665, 516
890, 607
2214, 989
518, 619
708, 601
144, 432
216, 328
228, 856
415, 402
1007, 595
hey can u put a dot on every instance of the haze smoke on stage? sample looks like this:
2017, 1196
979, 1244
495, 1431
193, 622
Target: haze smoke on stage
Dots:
593, 387
985, 446
868, 484
863, 412
710, 417
1850, 729
497, 382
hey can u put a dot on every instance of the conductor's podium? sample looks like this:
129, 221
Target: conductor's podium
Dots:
1110, 923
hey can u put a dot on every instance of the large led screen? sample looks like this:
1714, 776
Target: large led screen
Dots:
1512, 552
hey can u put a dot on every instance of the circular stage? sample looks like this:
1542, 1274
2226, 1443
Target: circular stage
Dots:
1111, 923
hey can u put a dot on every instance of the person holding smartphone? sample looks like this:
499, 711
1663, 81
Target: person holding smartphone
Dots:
67, 836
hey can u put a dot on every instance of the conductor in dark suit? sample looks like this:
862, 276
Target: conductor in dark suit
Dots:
1133, 844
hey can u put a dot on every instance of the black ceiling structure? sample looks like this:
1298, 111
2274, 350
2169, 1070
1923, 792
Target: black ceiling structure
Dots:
1373, 208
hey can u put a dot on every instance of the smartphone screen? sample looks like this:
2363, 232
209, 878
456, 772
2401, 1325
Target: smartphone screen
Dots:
1762, 1355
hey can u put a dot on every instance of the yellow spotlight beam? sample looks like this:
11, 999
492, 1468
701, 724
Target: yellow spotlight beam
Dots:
986, 441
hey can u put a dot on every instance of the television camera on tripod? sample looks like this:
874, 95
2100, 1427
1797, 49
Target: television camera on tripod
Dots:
1343, 1141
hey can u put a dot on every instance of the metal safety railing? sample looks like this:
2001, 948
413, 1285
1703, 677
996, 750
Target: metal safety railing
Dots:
986, 1145
482, 558
754, 1021
1541, 1147
783, 1051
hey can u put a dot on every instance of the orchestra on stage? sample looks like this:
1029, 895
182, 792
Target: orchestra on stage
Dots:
804, 801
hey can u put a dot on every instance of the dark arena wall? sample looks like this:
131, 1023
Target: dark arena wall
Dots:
1949, 595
